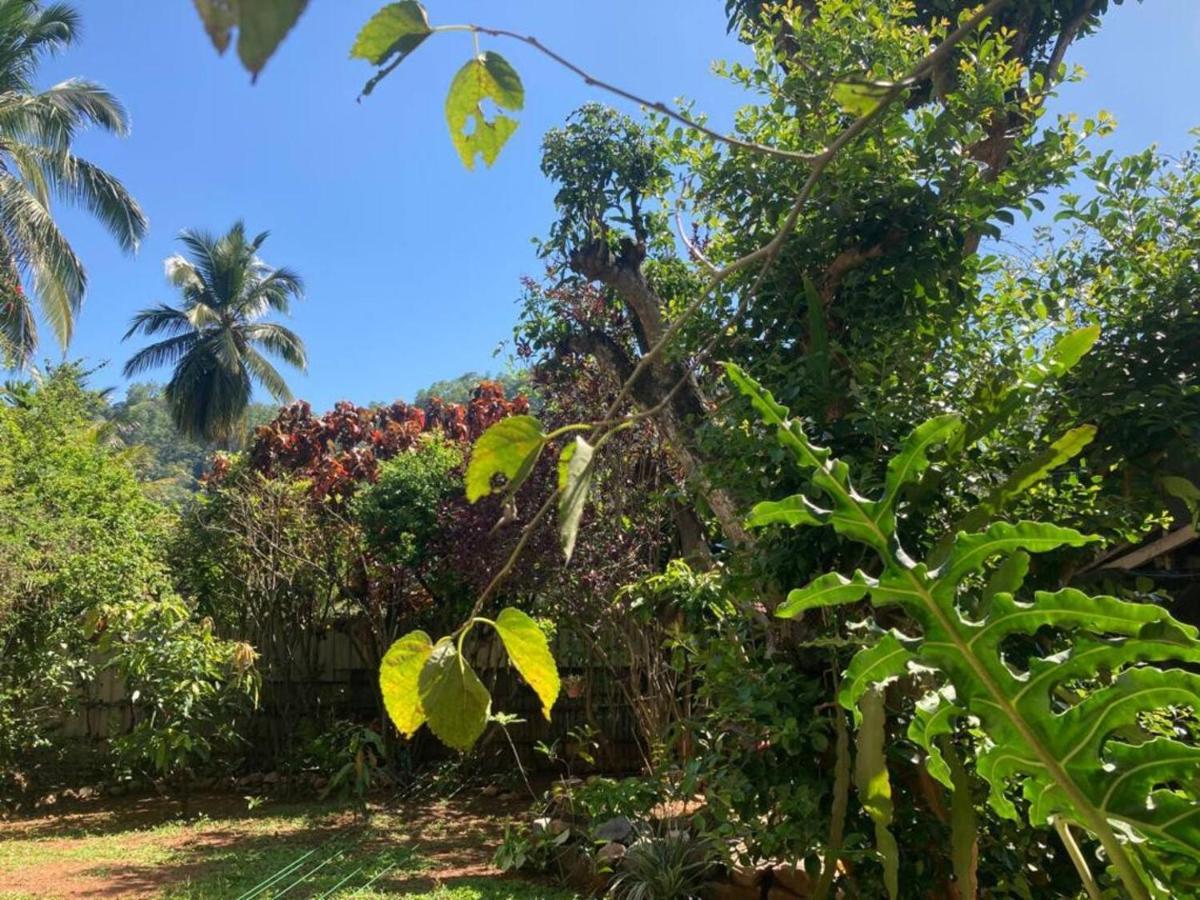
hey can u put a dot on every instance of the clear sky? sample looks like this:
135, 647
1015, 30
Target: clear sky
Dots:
411, 261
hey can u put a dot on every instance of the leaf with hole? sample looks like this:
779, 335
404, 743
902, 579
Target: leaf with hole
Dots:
485, 78
509, 448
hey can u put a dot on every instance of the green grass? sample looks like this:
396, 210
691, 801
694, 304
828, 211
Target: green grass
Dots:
303, 852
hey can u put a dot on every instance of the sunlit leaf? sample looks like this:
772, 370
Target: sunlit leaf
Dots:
390, 37
874, 786
860, 97
455, 702
487, 77
530, 654
575, 477
510, 448
398, 677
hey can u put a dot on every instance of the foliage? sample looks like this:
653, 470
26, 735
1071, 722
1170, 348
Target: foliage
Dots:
84, 581
214, 336
187, 687
37, 130
1077, 760
352, 756
664, 867
423, 682
399, 513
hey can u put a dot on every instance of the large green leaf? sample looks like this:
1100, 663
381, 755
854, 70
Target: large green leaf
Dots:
510, 448
261, 24
529, 652
1080, 762
487, 77
455, 702
574, 480
398, 678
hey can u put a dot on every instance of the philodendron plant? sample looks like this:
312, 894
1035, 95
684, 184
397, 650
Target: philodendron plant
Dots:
1074, 763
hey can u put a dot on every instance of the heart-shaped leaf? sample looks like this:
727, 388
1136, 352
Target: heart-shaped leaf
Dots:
398, 677
455, 702
529, 652
261, 24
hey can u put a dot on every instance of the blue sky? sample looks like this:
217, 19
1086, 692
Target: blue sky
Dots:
411, 261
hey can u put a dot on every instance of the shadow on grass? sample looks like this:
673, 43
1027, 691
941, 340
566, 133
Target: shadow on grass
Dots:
435, 850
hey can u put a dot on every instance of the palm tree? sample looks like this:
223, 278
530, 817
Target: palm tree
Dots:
214, 336
37, 165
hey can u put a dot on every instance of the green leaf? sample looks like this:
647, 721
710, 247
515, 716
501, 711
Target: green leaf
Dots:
486, 77
574, 478
1186, 491
1026, 476
396, 30
530, 653
262, 25
1140, 800
455, 702
792, 511
1069, 349
510, 448
833, 589
874, 786
398, 677
964, 826
860, 97
883, 661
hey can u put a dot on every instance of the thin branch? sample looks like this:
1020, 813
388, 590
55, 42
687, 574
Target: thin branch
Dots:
656, 105
766, 254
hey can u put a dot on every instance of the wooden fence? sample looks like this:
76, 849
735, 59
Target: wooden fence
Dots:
344, 688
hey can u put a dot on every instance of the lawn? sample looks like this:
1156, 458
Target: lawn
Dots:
440, 850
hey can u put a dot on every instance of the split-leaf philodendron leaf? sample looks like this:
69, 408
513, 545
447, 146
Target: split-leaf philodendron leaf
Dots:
485, 78
1078, 762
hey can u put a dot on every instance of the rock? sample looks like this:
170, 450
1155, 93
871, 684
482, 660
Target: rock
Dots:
86, 793
557, 827
271, 778
610, 854
617, 829
509, 797
204, 784
492, 790
116, 790
320, 782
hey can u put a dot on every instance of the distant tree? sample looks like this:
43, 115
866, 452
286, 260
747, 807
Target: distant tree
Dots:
462, 388
36, 164
214, 335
